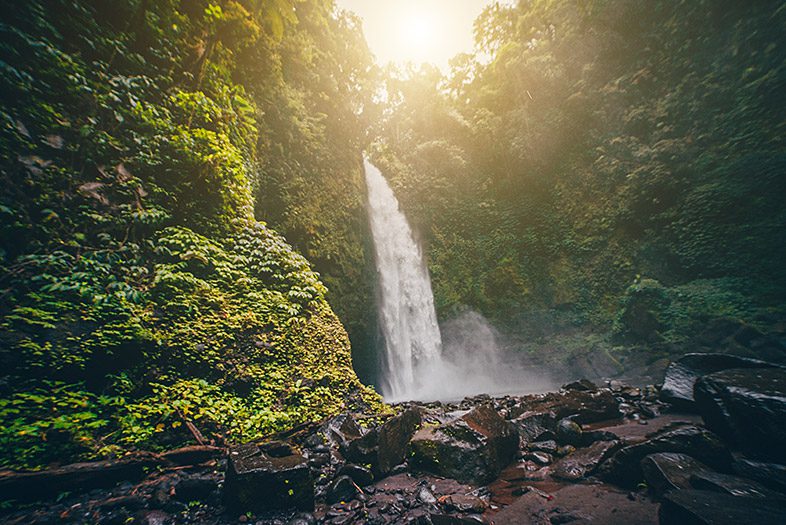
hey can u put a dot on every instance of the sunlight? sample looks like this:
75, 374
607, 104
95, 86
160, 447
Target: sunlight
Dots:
417, 31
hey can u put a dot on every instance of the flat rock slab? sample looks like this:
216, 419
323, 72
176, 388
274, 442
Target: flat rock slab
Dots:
584, 461
586, 406
747, 407
699, 507
681, 375
579, 504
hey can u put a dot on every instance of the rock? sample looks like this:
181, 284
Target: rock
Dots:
747, 407
582, 385
583, 462
770, 475
341, 489
731, 485
541, 458
197, 488
588, 438
666, 471
425, 496
340, 430
689, 507
534, 426
360, 475
585, 407
624, 467
303, 518
473, 448
385, 446
285, 481
550, 446
681, 375
464, 503
565, 450
568, 432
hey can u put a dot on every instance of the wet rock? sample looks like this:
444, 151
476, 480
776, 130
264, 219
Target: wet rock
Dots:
582, 385
541, 458
447, 519
565, 450
360, 475
197, 488
385, 446
340, 430
154, 517
463, 503
583, 462
771, 475
689, 507
473, 448
666, 471
731, 485
747, 407
285, 481
624, 467
585, 407
535, 426
304, 518
550, 446
588, 438
341, 489
425, 496
681, 375
568, 432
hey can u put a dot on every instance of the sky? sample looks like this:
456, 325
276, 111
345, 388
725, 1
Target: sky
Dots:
417, 31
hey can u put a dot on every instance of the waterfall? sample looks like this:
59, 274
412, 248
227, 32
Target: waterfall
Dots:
415, 366
405, 302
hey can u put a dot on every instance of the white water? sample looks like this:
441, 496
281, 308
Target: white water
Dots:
413, 344
415, 366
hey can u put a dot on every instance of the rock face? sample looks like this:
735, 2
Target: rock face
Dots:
385, 446
700, 507
584, 461
258, 482
473, 448
771, 475
624, 467
747, 407
681, 375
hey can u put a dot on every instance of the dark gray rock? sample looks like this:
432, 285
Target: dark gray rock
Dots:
285, 481
473, 448
582, 385
536, 426
747, 407
341, 489
731, 485
582, 407
550, 446
568, 432
196, 488
667, 471
700, 507
624, 467
303, 518
385, 446
771, 475
583, 462
360, 475
681, 375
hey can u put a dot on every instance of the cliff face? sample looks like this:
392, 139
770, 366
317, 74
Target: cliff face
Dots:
141, 297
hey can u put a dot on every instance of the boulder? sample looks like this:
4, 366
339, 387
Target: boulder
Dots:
341, 489
582, 385
360, 475
681, 375
747, 407
731, 485
583, 406
284, 481
473, 448
624, 467
701, 507
771, 475
535, 426
583, 462
568, 432
385, 446
667, 471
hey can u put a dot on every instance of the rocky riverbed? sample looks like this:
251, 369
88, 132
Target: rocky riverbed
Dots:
707, 447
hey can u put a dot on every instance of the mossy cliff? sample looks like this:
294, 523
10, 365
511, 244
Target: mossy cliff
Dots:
142, 299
